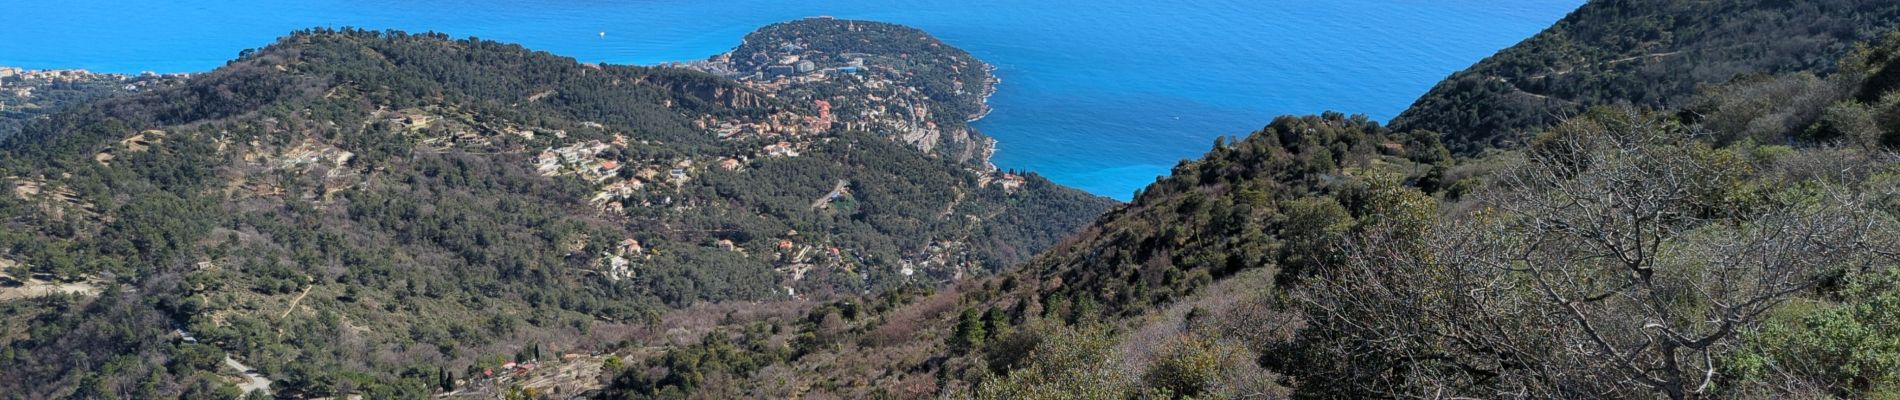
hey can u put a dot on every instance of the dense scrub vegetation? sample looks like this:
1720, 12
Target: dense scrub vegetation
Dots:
1272, 198
359, 212
1619, 257
1624, 253
1641, 52
1741, 245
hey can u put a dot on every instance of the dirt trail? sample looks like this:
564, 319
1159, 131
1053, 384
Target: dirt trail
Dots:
1567, 71
952, 207
32, 288
1634, 58
293, 302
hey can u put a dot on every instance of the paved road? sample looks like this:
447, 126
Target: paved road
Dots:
252, 381
837, 190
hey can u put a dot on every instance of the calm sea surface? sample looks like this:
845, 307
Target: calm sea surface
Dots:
1103, 95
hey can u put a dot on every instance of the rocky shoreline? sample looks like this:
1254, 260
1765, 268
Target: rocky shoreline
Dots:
990, 87
989, 90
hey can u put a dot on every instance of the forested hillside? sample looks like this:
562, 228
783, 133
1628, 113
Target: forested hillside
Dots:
1741, 245
395, 215
1215, 219
1648, 53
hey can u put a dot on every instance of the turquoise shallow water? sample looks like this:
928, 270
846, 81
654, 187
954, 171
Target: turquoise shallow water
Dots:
1103, 95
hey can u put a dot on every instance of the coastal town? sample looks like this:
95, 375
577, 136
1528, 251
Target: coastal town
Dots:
26, 94
925, 103
18, 86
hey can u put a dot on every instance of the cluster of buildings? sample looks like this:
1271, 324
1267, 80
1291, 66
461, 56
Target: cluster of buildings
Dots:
20, 82
579, 157
508, 370
780, 149
55, 75
780, 124
794, 260
938, 256
445, 132
794, 60
1008, 181
789, 65
617, 263
588, 160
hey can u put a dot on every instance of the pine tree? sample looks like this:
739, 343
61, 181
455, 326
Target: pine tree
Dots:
969, 332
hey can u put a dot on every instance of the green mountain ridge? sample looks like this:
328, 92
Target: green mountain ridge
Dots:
1645, 53
371, 212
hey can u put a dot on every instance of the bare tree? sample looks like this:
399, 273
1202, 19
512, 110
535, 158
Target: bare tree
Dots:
1621, 259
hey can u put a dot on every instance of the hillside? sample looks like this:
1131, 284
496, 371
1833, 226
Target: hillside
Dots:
1627, 252
1741, 245
1642, 52
380, 213
1210, 227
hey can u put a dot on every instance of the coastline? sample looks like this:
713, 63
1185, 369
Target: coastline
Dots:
991, 86
989, 90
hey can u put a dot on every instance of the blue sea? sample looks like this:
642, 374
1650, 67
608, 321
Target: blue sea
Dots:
1103, 95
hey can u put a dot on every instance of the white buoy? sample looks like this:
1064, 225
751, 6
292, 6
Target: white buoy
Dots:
603, 35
